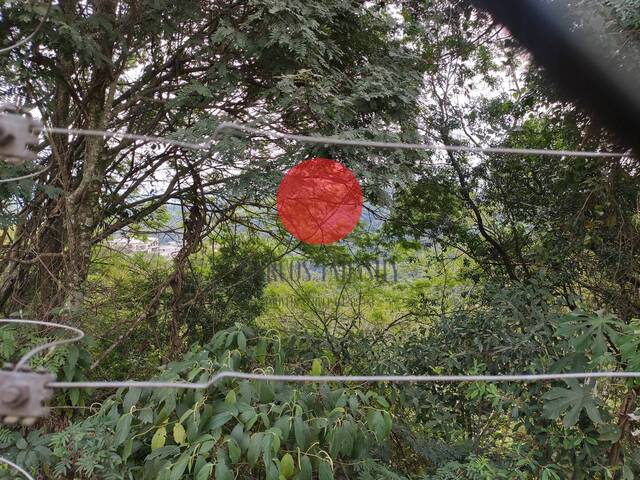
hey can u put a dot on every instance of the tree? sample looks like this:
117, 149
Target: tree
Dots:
172, 69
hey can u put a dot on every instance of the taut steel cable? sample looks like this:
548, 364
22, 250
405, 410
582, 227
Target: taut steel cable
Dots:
533, 377
348, 379
314, 140
331, 141
415, 146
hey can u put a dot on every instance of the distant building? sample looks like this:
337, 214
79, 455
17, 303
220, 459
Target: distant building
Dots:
152, 245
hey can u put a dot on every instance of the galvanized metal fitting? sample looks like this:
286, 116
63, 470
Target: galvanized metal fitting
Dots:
18, 133
23, 395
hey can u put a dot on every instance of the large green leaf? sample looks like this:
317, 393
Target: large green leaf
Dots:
301, 431
181, 465
287, 467
570, 402
159, 438
590, 333
179, 433
325, 472
223, 472
255, 446
306, 469
234, 450
316, 367
123, 426
205, 472
219, 420
130, 399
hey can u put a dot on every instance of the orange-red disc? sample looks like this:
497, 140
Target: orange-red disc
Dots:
319, 201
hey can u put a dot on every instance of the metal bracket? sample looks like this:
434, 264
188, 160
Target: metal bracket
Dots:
23, 395
17, 135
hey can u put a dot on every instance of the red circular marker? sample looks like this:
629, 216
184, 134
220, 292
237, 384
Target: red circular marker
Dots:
319, 201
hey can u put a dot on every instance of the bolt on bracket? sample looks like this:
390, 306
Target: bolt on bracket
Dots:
23, 395
18, 132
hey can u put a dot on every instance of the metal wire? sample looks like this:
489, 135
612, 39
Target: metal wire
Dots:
414, 146
296, 378
293, 378
330, 141
128, 136
348, 379
16, 467
39, 348
33, 34
307, 378
288, 378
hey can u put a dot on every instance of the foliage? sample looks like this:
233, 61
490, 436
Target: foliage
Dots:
237, 429
507, 263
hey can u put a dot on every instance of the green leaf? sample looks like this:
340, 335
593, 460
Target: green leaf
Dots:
247, 415
571, 400
159, 438
146, 415
284, 424
377, 424
242, 341
205, 472
181, 465
609, 433
343, 439
164, 473
169, 404
164, 452
266, 392
222, 471
230, 338
382, 401
123, 426
234, 450
131, 398
548, 474
255, 444
240, 437
207, 446
179, 434
219, 420
306, 470
230, 399
267, 445
71, 362
388, 423
127, 449
272, 472
301, 431
590, 332
325, 472
287, 466
261, 350
316, 367
275, 440
74, 396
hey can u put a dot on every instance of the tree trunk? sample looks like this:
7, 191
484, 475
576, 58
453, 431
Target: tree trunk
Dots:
50, 257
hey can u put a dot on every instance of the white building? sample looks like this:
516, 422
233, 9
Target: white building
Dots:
135, 245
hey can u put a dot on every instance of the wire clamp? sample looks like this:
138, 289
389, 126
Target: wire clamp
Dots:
23, 395
17, 133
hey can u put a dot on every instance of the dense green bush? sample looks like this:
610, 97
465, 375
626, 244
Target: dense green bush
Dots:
236, 429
